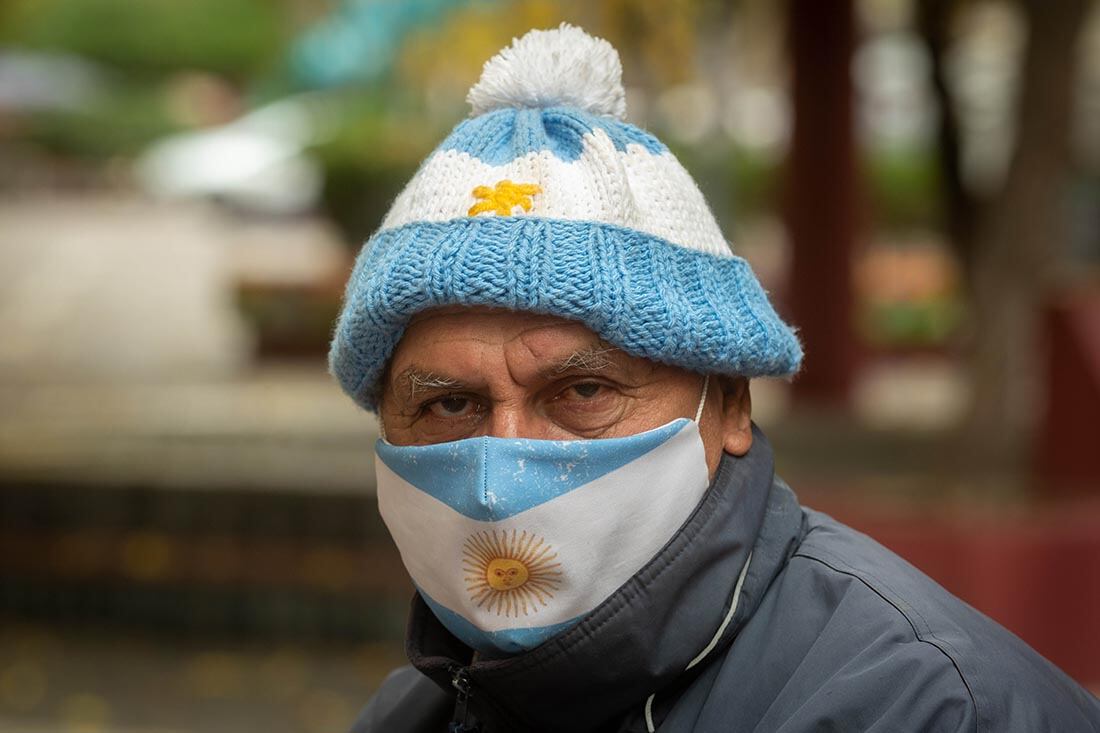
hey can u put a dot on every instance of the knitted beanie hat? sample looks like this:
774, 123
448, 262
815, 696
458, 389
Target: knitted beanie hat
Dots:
545, 200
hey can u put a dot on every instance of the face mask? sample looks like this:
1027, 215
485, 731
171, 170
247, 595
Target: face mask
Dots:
511, 541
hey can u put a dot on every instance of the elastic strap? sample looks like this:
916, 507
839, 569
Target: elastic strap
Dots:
702, 398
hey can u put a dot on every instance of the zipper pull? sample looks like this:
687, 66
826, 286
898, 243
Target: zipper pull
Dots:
461, 682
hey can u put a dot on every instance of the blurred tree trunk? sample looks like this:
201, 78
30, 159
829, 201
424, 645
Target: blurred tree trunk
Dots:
959, 205
822, 196
1010, 245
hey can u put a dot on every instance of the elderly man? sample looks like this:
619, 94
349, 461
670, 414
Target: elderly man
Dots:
558, 342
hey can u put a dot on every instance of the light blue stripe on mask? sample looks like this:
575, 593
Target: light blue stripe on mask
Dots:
536, 470
493, 643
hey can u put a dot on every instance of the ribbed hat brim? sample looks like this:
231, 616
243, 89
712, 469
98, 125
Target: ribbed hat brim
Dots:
647, 296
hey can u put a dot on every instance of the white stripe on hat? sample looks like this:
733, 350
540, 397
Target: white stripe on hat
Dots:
634, 189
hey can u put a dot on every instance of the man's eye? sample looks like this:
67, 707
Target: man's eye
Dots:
451, 406
586, 390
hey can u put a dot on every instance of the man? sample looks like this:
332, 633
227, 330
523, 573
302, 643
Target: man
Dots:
558, 342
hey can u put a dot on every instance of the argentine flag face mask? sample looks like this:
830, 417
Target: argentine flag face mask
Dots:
511, 541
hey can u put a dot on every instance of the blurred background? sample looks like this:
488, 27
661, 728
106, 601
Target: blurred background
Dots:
188, 535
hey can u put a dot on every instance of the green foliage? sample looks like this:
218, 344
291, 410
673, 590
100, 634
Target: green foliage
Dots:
738, 183
233, 37
123, 122
382, 136
756, 179
911, 323
903, 188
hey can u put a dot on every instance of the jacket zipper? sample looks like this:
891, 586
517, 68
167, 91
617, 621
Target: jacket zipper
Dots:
460, 680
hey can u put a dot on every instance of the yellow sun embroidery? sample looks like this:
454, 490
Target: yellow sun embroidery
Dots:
504, 197
510, 573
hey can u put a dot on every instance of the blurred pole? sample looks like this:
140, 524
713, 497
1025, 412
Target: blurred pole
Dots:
822, 196
961, 206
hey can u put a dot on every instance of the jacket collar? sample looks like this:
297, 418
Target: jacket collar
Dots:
645, 635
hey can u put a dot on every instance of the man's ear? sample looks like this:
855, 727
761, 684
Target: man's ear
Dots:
736, 415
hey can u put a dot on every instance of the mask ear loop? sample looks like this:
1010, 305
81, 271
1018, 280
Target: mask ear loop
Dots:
702, 398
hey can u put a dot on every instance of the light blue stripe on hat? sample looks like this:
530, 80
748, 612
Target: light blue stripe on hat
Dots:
537, 470
641, 293
493, 643
506, 134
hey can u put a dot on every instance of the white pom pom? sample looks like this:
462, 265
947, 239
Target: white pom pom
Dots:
564, 66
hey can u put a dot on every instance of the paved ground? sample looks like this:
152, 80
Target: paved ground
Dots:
65, 681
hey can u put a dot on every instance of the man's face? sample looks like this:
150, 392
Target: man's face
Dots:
462, 372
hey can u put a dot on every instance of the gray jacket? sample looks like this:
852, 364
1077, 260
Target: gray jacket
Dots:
826, 630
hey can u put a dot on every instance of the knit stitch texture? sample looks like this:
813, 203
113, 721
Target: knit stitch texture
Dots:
649, 297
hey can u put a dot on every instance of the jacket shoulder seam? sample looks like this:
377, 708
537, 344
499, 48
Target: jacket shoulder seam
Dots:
933, 642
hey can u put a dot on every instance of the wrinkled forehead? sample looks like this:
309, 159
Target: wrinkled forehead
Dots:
452, 335
452, 344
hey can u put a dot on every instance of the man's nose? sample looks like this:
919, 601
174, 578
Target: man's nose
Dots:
514, 419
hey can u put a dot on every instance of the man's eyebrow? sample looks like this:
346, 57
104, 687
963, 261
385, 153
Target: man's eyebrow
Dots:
593, 358
589, 359
414, 379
